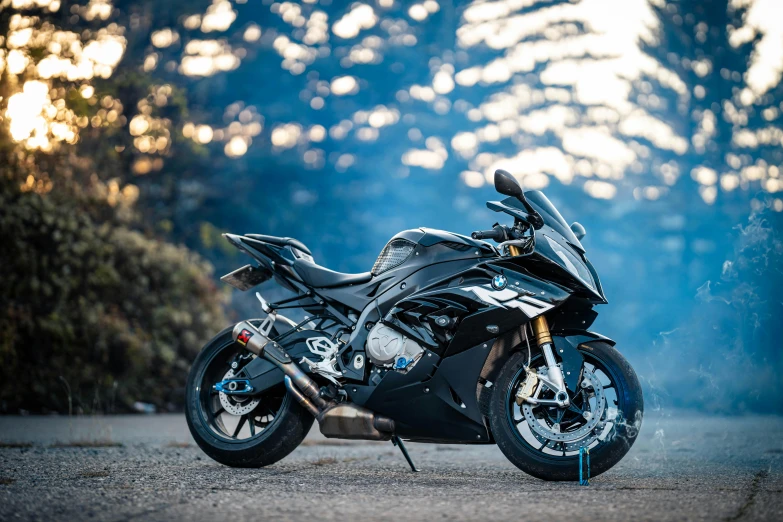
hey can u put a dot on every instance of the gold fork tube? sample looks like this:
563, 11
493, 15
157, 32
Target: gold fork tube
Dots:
514, 250
541, 330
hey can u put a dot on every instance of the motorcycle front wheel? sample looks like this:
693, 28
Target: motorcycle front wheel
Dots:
604, 416
246, 432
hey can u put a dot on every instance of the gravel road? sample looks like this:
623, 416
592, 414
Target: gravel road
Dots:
683, 467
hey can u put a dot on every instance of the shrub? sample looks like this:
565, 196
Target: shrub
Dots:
95, 315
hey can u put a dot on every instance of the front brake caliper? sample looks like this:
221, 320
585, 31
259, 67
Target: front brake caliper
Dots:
527, 388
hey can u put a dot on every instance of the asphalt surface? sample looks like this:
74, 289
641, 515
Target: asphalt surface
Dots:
683, 467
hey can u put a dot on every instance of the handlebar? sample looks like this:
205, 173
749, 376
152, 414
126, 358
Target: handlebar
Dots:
498, 234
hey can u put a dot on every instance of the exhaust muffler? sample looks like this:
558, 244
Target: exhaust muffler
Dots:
336, 420
349, 421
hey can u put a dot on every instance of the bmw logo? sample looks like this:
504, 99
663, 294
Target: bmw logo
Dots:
499, 282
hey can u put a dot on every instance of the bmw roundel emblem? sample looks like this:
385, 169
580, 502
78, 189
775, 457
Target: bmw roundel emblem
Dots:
499, 282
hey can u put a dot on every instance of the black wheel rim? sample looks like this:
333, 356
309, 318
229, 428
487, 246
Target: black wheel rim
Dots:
615, 406
221, 422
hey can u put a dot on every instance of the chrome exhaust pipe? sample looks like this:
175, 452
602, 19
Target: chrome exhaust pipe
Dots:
344, 420
300, 398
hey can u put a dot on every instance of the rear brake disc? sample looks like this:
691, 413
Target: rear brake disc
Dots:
237, 404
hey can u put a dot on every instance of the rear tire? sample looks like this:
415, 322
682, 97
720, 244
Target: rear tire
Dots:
630, 407
286, 431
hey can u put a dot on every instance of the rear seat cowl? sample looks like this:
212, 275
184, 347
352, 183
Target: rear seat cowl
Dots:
282, 241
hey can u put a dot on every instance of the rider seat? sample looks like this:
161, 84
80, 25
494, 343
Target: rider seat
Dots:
321, 277
314, 275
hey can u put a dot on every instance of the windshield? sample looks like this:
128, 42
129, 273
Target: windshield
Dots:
552, 217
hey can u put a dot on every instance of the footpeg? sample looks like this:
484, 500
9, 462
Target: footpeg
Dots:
398, 442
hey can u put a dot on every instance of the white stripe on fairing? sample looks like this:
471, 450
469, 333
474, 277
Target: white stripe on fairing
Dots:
529, 310
508, 298
535, 302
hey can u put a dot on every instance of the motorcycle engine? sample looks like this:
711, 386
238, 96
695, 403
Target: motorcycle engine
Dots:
389, 348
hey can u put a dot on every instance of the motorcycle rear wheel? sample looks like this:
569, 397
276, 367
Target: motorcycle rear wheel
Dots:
272, 429
623, 418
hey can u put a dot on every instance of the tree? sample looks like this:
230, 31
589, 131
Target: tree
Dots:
87, 305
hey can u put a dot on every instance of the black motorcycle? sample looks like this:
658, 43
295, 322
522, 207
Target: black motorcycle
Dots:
448, 339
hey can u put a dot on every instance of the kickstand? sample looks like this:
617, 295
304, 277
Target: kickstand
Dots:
398, 442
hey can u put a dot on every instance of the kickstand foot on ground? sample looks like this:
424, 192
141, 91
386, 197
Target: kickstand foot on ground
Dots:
398, 442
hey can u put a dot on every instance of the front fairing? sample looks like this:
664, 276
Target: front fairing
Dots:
553, 247
552, 217
556, 242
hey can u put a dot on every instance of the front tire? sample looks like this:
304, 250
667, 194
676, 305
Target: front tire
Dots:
268, 433
622, 419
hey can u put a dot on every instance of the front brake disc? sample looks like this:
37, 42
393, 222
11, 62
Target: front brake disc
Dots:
542, 431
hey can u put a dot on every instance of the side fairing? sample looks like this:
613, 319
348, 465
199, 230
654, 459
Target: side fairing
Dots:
466, 309
435, 401
456, 319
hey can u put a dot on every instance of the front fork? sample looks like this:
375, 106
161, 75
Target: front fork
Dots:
553, 378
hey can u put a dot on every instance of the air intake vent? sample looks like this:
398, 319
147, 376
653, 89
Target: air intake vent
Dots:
462, 247
393, 255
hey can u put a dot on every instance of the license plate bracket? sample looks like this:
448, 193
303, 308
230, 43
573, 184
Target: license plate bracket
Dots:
246, 277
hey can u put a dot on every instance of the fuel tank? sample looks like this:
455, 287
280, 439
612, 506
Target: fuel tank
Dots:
409, 252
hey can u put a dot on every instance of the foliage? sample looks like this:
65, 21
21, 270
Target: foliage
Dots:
94, 314
96, 311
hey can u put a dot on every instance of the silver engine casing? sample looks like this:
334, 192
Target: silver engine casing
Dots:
389, 348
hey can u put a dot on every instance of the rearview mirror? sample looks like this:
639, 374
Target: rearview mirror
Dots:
578, 230
507, 185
